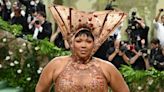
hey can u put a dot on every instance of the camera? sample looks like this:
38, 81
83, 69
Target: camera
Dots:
161, 10
144, 52
132, 22
123, 49
37, 22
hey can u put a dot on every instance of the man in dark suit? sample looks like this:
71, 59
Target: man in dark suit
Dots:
40, 27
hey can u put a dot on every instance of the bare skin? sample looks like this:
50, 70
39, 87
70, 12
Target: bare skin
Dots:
55, 67
83, 46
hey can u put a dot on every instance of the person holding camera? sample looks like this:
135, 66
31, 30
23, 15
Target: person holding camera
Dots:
159, 26
137, 30
138, 58
156, 55
117, 54
40, 27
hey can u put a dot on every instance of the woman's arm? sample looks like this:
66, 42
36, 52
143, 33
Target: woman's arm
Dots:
46, 77
114, 78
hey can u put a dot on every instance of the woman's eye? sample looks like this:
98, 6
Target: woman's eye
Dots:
78, 41
89, 41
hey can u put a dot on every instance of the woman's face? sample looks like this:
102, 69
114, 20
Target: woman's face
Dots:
83, 46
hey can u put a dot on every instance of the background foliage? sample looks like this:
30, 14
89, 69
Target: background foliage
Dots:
21, 61
143, 80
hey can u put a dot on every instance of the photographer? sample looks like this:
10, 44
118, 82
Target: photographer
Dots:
137, 30
117, 54
156, 55
138, 58
40, 27
159, 26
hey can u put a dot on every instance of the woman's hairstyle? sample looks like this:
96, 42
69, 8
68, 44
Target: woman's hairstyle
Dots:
84, 31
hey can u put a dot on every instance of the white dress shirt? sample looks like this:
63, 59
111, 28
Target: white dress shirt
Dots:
160, 31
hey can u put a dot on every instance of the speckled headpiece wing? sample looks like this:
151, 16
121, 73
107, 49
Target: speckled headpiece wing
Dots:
101, 23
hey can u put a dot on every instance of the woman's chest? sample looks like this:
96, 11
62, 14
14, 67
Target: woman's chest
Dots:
81, 80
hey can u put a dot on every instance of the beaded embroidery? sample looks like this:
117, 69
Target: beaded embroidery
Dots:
81, 78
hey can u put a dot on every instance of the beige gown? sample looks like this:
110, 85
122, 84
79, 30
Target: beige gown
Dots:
81, 78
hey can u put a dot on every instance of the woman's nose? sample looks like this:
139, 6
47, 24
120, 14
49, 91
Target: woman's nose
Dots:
83, 44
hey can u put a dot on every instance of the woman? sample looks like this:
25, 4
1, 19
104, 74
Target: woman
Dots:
81, 72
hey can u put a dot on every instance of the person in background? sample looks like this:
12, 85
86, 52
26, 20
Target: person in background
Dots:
40, 27
159, 26
17, 5
5, 9
156, 56
140, 32
19, 18
31, 5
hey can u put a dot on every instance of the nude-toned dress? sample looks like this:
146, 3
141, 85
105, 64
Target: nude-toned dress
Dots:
81, 78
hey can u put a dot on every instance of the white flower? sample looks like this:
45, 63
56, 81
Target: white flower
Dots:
0, 66
19, 71
150, 82
24, 44
139, 87
28, 65
16, 62
12, 64
4, 39
39, 71
10, 52
7, 58
37, 48
28, 79
20, 50
40, 68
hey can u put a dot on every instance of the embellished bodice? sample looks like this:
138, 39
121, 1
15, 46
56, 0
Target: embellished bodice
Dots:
81, 78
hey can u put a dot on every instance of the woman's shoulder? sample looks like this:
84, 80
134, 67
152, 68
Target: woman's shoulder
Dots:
106, 66
60, 60
102, 62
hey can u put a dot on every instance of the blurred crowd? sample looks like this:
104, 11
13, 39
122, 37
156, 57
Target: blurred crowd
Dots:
136, 52
32, 18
